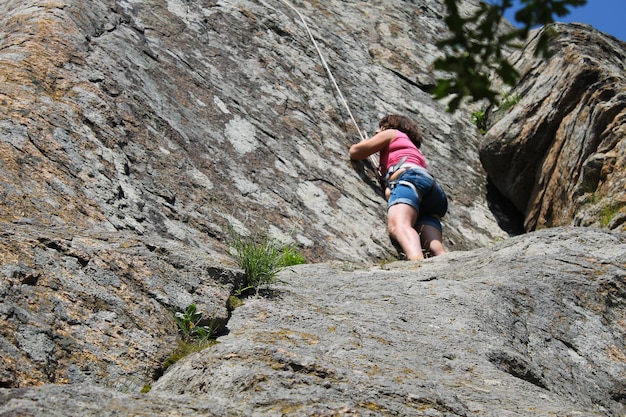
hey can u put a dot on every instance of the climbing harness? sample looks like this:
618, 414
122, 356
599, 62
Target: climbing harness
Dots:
394, 171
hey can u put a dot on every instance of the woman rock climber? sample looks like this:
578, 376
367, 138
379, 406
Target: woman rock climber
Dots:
416, 202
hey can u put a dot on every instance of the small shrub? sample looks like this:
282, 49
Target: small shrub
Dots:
479, 119
188, 327
193, 336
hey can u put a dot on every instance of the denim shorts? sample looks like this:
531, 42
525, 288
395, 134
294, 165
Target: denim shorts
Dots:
417, 188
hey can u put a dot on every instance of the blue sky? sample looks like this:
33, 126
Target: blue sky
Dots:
608, 16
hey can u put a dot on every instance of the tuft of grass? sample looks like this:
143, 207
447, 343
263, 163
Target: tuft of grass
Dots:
185, 349
261, 258
608, 212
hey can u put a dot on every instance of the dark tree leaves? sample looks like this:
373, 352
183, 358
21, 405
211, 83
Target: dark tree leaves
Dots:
474, 48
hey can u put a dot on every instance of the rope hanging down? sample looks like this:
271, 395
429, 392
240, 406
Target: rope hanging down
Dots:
330, 74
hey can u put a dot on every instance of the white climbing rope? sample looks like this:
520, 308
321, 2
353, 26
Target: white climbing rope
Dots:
330, 74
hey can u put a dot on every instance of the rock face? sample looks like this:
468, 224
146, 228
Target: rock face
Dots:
135, 136
503, 330
533, 325
177, 119
558, 154
97, 308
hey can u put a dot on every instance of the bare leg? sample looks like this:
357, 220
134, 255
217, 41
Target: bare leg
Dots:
400, 221
431, 240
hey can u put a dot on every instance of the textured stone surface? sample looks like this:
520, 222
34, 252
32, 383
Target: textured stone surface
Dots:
135, 134
81, 400
98, 308
531, 326
180, 118
558, 154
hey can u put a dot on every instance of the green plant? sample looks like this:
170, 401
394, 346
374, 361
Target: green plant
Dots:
234, 302
290, 256
186, 349
509, 101
194, 337
188, 325
479, 119
259, 261
261, 258
608, 212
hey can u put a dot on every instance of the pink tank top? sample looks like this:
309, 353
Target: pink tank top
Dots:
399, 148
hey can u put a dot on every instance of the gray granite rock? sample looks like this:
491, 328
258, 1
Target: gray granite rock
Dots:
134, 135
531, 326
180, 119
558, 154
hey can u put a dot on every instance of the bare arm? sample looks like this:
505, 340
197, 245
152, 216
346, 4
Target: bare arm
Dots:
372, 145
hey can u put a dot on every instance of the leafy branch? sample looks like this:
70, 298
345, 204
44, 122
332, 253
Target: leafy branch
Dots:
474, 50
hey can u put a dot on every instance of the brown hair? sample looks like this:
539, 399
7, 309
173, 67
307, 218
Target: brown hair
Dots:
403, 124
